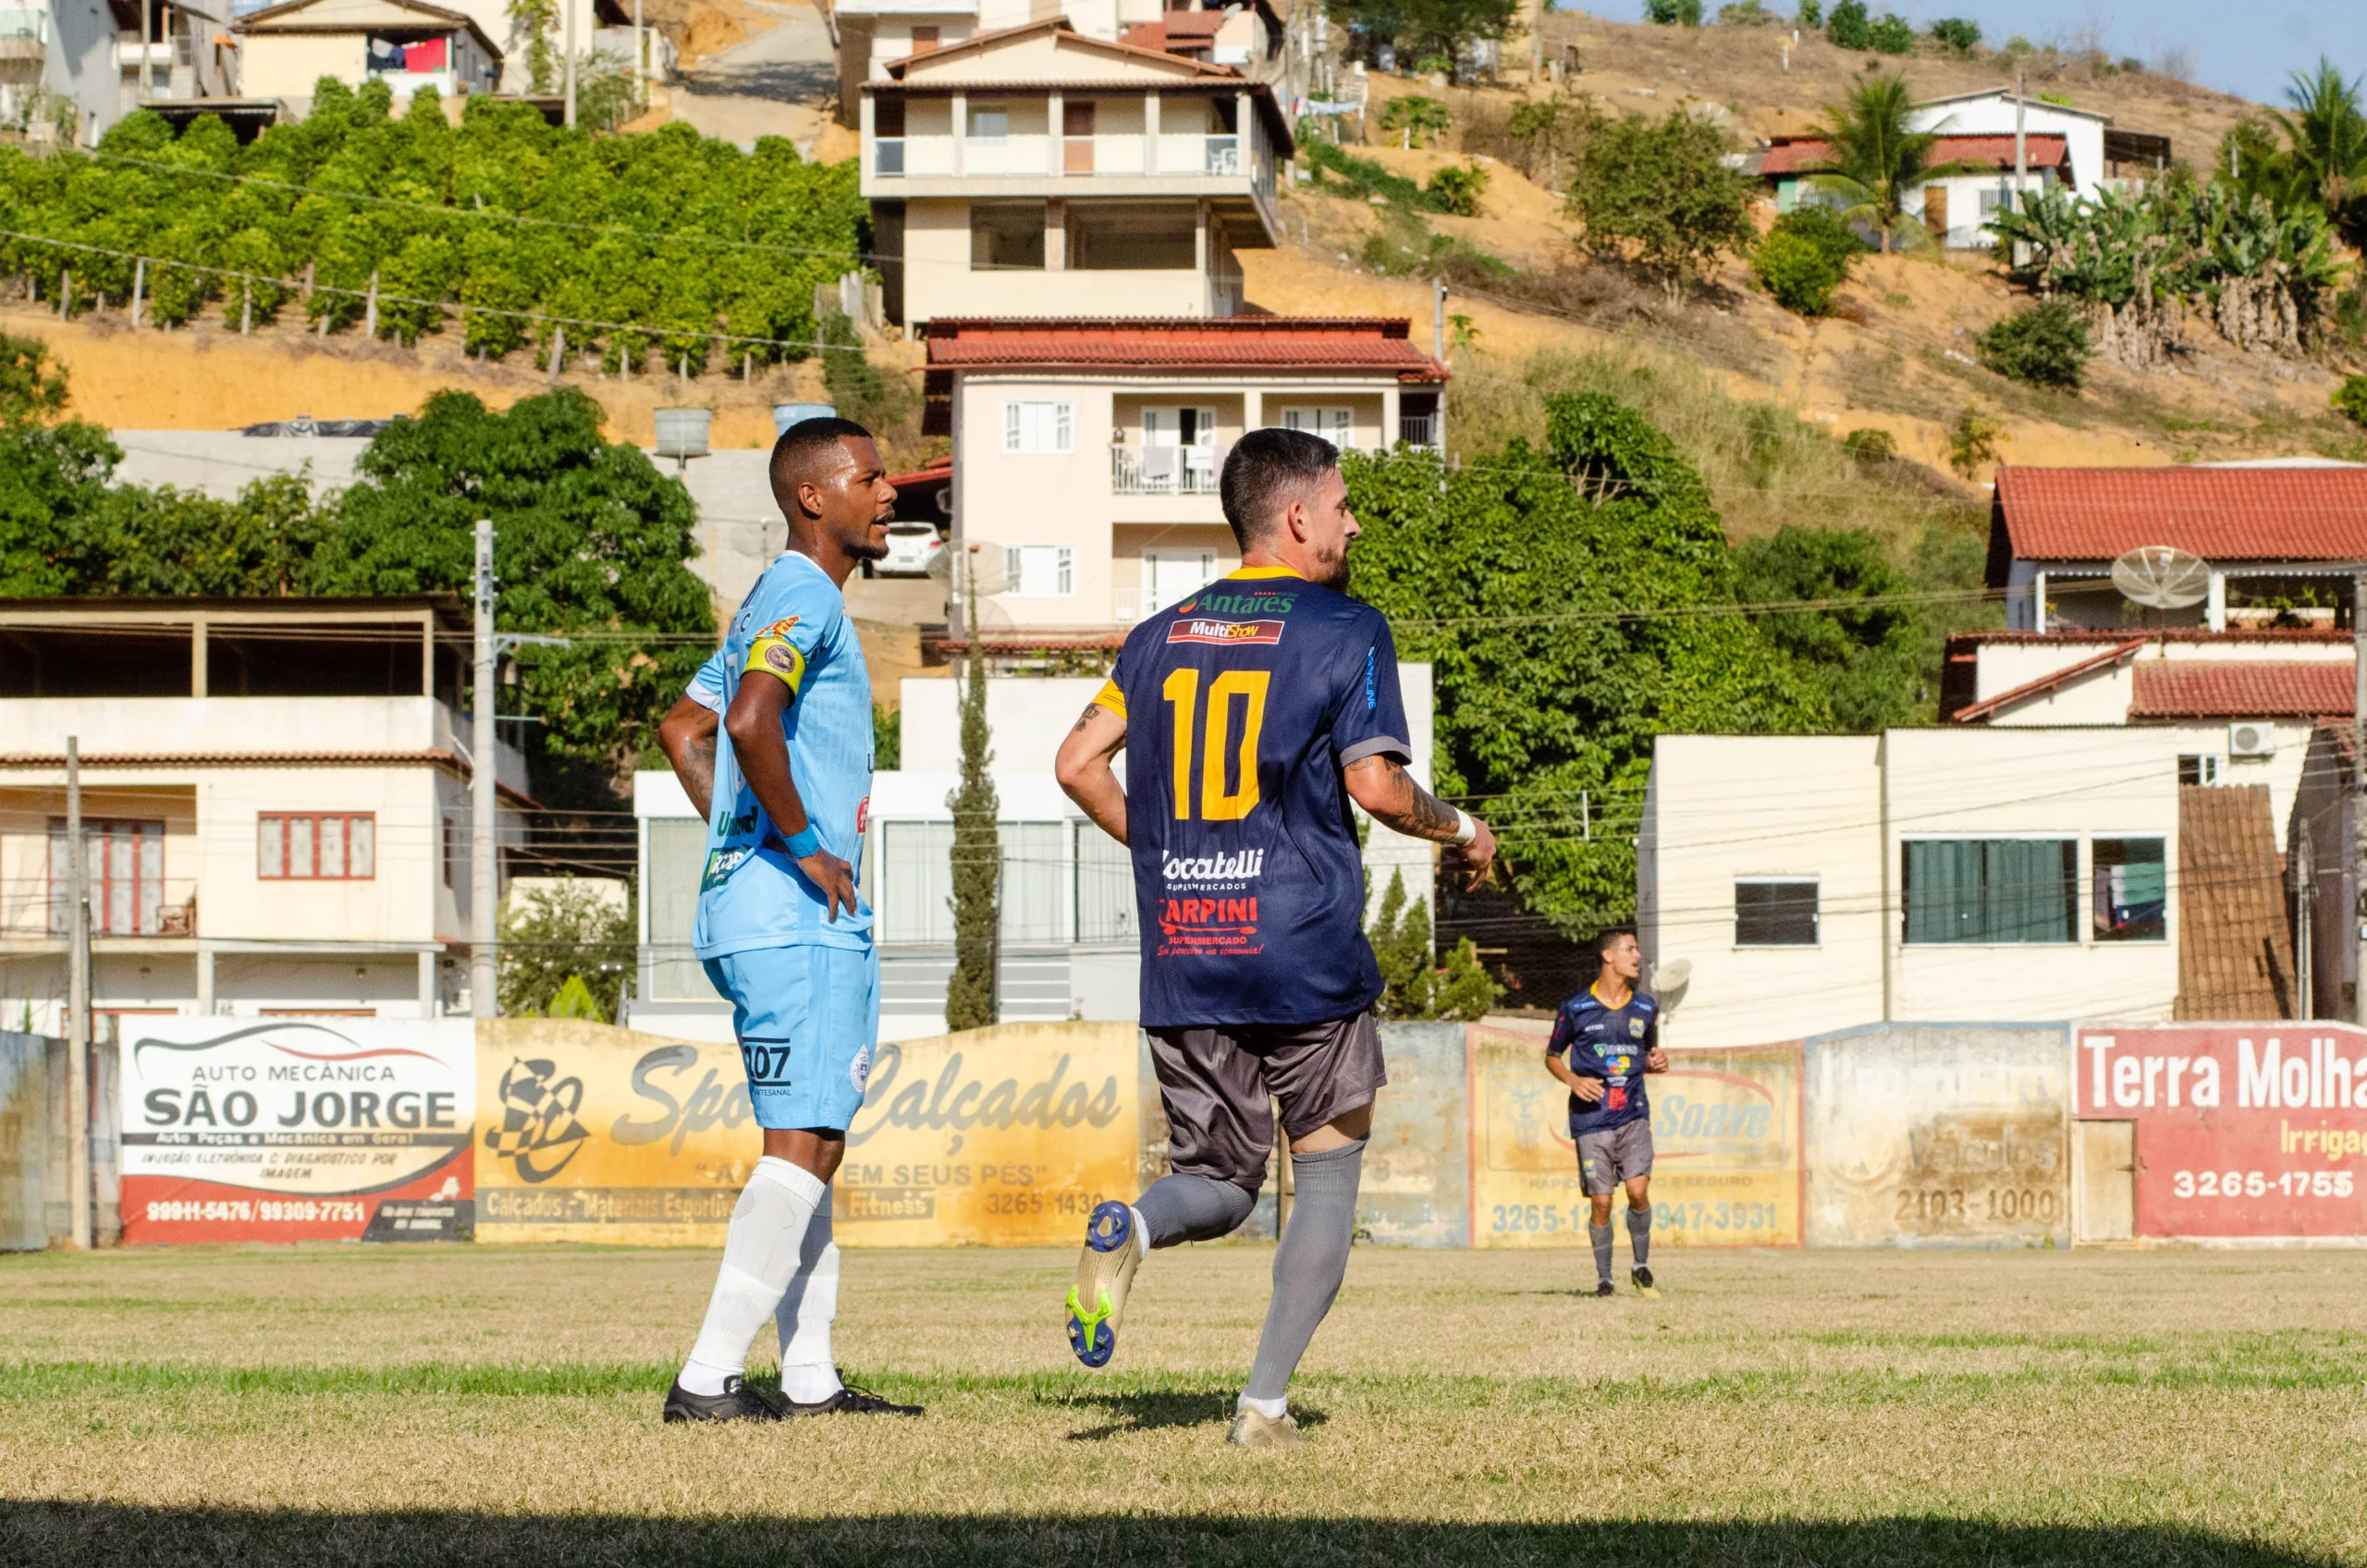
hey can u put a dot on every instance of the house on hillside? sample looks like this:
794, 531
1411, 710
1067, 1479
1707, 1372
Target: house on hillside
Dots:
1040, 171
274, 802
93, 63
1087, 452
408, 44
2278, 542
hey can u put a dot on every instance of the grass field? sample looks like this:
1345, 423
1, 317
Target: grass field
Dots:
492, 1406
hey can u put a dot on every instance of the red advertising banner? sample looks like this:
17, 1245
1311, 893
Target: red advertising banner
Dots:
2242, 1130
297, 1130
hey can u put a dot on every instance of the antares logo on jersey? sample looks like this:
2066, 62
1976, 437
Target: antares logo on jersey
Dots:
1216, 868
1238, 603
1228, 632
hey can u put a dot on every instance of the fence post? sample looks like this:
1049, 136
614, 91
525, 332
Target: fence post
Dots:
139, 288
65, 290
370, 309
559, 354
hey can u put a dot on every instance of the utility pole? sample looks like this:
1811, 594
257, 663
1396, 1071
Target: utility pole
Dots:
485, 871
77, 1003
1438, 321
2021, 162
2305, 885
2359, 789
640, 62
571, 62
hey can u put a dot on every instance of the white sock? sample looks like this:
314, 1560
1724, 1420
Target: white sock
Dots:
809, 1373
1271, 1409
1142, 1231
760, 1256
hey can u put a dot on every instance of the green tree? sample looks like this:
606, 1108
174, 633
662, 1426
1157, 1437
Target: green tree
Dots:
1891, 34
165, 543
1958, 33
52, 477
591, 542
31, 391
1569, 599
566, 952
1810, 14
1419, 28
1415, 985
1411, 115
2327, 145
1661, 195
1876, 159
1800, 275
970, 995
2350, 399
1865, 646
2045, 343
1848, 27
1674, 13
1972, 441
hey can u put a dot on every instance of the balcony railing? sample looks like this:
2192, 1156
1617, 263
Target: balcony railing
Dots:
915, 157
1418, 430
120, 906
1165, 471
24, 21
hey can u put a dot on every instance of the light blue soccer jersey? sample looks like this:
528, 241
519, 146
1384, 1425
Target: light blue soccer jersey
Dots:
792, 626
711, 688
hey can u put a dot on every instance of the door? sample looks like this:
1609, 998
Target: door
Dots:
1935, 212
1076, 136
1335, 425
1180, 446
2108, 1154
1172, 575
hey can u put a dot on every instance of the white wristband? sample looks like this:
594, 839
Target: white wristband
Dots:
1466, 829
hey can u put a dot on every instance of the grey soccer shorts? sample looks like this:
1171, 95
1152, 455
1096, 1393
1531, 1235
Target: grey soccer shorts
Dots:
1217, 1085
1616, 1155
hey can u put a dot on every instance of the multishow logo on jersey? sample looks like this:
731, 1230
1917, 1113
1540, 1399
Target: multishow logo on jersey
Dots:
1228, 634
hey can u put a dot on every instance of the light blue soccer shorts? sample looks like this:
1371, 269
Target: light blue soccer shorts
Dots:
806, 1017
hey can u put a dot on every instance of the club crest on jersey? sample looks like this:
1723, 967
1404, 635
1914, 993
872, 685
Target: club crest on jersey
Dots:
1635, 1028
859, 1069
1225, 632
780, 628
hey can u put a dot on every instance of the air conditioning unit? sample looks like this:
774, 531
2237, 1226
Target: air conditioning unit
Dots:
2251, 740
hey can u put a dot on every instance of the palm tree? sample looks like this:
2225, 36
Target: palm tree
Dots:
2328, 139
1876, 159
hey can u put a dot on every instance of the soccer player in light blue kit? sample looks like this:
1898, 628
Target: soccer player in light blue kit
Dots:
783, 928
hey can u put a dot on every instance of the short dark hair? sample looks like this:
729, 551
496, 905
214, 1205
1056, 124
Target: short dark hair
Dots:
799, 446
1263, 467
1608, 936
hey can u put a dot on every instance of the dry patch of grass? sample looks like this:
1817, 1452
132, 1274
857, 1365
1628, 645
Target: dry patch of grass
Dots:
450, 1405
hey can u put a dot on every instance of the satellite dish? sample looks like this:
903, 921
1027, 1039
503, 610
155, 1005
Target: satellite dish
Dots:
975, 567
2161, 577
1669, 981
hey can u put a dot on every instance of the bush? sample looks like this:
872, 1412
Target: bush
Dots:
1972, 441
1957, 33
2045, 344
1870, 446
1674, 13
1810, 14
1660, 195
1800, 275
2350, 399
1455, 191
1892, 34
1745, 12
1849, 29
1823, 227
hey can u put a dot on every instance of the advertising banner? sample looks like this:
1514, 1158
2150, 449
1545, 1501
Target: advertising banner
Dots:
2249, 1132
298, 1129
1725, 1138
1004, 1137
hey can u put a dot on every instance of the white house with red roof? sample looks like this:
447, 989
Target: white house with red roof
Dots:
1087, 452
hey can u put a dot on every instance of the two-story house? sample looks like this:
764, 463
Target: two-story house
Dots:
275, 801
71, 69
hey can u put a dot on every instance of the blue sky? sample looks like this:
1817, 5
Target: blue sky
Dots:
2244, 46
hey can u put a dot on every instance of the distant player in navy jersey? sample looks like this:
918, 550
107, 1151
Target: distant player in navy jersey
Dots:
1605, 1039
1254, 711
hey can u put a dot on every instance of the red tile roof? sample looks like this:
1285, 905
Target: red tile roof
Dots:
2052, 681
1214, 343
1791, 156
2240, 689
2093, 514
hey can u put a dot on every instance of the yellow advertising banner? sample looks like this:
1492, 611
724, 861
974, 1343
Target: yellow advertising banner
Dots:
1002, 1137
1726, 1164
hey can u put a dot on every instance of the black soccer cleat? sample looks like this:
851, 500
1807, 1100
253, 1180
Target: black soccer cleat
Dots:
1605, 1287
738, 1402
1642, 1278
849, 1401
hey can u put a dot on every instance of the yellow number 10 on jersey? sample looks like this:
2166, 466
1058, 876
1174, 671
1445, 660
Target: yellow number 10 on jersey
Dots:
1182, 691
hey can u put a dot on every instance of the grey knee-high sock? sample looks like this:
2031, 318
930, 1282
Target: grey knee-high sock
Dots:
1601, 1236
1309, 1264
1192, 1209
1640, 1233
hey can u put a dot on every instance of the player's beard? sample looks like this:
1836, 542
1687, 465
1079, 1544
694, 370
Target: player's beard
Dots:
1335, 575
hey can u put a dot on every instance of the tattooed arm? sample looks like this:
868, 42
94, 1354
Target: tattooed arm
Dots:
687, 733
1083, 766
1385, 789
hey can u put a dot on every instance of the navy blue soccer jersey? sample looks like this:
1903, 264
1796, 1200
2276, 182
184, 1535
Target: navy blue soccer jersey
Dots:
1597, 1040
1244, 704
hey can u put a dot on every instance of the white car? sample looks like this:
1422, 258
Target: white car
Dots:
910, 546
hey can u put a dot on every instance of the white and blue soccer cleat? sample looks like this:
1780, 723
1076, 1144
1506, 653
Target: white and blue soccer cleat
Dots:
1113, 1250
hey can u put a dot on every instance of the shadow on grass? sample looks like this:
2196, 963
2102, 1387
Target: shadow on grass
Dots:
69, 1535
1147, 1410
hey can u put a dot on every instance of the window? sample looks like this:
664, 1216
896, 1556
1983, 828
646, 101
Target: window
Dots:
1105, 886
924, 40
989, 122
1127, 238
453, 852
2199, 767
677, 855
2132, 890
1038, 427
1170, 575
1031, 903
1992, 889
916, 878
1006, 237
1775, 911
340, 848
1335, 425
1039, 571
125, 863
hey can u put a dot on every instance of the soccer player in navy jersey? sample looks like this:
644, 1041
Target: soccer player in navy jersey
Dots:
1254, 711
1604, 1040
